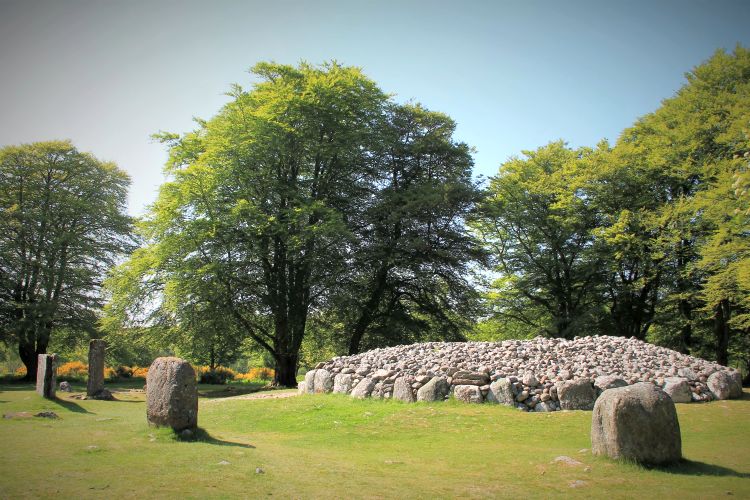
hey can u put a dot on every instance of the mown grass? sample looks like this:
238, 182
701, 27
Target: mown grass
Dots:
335, 447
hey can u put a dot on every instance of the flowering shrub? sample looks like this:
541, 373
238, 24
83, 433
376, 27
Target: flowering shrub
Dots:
256, 374
218, 375
20, 372
124, 371
140, 372
73, 370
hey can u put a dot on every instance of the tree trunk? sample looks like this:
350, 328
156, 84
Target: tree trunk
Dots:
721, 329
27, 352
368, 311
286, 370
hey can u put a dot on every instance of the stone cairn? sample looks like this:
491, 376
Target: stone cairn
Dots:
46, 379
95, 385
541, 374
171, 394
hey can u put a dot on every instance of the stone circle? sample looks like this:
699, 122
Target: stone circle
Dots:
541, 374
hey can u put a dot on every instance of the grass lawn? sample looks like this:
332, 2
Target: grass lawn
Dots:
335, 447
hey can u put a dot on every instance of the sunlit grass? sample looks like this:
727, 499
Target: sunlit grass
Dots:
336, 447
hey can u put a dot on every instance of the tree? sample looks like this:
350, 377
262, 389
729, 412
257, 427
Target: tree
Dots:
408, 272
62, 225
539, 227
257, 205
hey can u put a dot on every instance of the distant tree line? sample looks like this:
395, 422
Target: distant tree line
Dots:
314, 214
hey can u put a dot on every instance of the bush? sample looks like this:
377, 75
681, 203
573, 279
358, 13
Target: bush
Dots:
218, 375
262, 374
73, 371
20, 371
123, 371
140, 372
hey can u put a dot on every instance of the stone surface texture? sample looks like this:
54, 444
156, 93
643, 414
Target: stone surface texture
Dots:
95, 382
638, 422
171, 394
678, 389
46, 379
526, 374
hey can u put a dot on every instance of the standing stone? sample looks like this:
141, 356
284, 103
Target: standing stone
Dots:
437, 389
402, 390
301, 388
96, 367
468, 393
342, 383
501, 391
638, 422
721, 384
65, 387
323, 381
678, 389
46, 381
364, 388
310, 382
576, 394
171, 394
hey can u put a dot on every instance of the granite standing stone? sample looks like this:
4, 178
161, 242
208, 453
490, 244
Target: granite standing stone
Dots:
46, 381
95, 384
323, 381
577, 394
364, 388
721, 384
437, 389
501, 391
310, 382
171, 394
342, 383
638, 422
402, 389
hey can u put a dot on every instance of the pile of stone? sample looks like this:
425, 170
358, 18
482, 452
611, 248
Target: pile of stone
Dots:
541, 374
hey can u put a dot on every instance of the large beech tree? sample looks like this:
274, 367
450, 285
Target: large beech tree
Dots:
62, 225
311, 196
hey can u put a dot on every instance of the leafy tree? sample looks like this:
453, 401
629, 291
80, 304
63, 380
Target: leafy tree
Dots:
255, 212
410, 265
62, 225
539, 227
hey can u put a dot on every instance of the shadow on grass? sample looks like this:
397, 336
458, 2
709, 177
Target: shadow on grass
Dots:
694, 468
201, 436
71, 406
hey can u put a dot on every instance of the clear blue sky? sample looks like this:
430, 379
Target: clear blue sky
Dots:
514, 75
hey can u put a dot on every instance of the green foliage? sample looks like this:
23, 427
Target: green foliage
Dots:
62, 225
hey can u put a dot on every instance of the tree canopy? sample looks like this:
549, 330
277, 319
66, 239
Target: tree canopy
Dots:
62, 225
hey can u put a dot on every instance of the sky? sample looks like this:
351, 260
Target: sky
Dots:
107, 74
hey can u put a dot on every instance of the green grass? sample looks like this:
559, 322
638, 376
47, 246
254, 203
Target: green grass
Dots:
335, 447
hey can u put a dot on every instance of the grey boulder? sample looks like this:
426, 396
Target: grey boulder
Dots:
437, 389
402, 390
364, 388
501, 391
171, 394
638, 422
722, 385
578, 394
323, 381
468, 393
310, 382
678, 389
342, 383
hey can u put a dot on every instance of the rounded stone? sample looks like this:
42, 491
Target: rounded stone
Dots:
638, 422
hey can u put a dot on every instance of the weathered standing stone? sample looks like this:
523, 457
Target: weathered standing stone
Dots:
95, 383
468, 393
323, 381
501, 391
342, 383
638, 422
364, 388
310, 382
437, 389
678, 389
576, 394
402, 390
65, 387
301, 388
46, 382
721, 384
171, 394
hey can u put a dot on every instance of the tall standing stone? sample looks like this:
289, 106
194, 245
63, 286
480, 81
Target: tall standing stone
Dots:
171, 394
46, 381
95, 384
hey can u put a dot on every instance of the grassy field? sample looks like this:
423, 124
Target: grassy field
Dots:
335, 447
